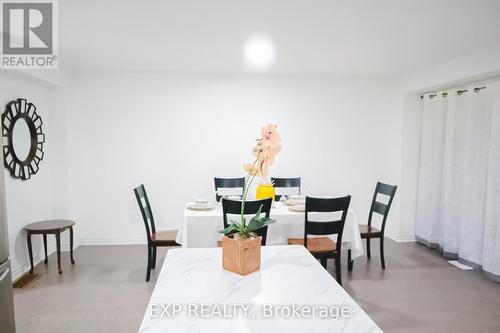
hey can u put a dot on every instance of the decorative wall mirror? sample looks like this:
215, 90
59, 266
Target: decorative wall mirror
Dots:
22, 139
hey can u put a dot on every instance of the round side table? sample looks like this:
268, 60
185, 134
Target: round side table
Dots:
54, 227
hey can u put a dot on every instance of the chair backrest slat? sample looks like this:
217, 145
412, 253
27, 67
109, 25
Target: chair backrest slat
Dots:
146, 212
381, 208
285, 183
233, 207
386, 189
228, 183
323, 228
326, 205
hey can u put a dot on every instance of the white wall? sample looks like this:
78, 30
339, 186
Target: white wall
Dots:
472, 67
174, 133
45, 195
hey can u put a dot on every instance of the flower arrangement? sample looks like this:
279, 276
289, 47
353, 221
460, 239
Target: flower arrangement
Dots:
265, 151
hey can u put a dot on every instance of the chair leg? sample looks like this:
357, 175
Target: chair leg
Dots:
368, 252
382, 259
350, 263
153, 264
323, 262
148, 271
338, 270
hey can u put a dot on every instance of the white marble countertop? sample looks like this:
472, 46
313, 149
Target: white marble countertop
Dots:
291, 293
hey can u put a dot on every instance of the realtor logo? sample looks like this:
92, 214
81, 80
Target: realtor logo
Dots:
28, 35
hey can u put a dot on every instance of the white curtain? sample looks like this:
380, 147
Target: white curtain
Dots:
458, 200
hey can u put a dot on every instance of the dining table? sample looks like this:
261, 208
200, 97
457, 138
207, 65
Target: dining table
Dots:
291, 292
202, 228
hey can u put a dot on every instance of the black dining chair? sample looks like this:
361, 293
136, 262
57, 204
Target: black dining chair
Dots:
221, 183
367, 230
155, 238
324, 248
285, 183
233, 207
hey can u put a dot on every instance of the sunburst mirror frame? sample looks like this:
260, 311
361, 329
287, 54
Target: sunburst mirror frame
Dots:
15, 111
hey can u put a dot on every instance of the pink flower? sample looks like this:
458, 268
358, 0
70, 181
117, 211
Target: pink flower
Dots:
270, 135
268, 153
265, 151
251, 169
264, 169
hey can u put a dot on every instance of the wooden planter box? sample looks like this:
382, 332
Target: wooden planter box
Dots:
241, 256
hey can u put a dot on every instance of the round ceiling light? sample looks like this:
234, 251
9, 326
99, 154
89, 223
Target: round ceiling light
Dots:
259, 52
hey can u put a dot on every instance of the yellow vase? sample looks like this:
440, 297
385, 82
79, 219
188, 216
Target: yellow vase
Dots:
265, 191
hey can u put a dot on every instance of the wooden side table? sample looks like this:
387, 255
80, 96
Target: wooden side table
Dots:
44, 228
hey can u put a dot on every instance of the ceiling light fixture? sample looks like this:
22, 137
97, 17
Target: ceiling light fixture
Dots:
259, 52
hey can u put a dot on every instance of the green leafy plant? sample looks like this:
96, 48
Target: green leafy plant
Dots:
247, 230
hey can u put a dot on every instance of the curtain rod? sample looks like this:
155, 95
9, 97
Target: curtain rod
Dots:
459, 92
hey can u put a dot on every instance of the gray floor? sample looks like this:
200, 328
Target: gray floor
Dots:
105, 291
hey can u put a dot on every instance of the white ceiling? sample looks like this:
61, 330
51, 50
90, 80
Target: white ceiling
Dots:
370, 38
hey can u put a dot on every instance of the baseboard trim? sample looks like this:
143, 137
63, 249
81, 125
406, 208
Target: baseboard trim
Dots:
21, 270
38, 257
113, 241
409, 238
392, 237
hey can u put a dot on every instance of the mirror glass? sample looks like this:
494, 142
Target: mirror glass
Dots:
21, 139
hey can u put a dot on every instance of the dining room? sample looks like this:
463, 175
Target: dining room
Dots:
238, 166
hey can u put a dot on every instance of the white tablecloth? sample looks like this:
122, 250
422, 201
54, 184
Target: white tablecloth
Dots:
201, 228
